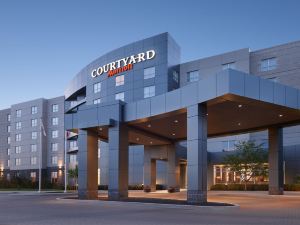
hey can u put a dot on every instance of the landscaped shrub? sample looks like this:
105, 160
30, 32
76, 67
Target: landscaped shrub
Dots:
251, 187
239, 187
171, 189
134, 187
102, 187
147, 189
292, 187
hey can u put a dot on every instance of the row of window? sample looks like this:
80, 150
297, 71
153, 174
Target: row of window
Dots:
33, 161
34, 135
148, 92
120, 80
33, 124
265, 65
53, 176
33, 148
34, 110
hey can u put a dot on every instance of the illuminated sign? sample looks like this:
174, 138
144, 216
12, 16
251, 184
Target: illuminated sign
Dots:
123, 64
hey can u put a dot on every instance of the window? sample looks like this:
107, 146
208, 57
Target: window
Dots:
193, 76
120, 96
149, 91
33, 110
97, 87
8, 151
33, 148
228, 145
120, 80
33, 176
99, 176
33, 135
54, 160
34, 122
18, 137
230, 65
8, 162
149, 73
55, 134
99, 153
73, 145
8, 140
175, 76
53, 177
268, 64
73, 103
19, 112
18, 149
18, 161
33, 160
54, 108
54, 147
97, 101
18, 125
54, 121
8, 128
73, 159
8, 117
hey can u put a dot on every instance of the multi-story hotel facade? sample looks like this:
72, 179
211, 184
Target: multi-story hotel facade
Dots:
138, 115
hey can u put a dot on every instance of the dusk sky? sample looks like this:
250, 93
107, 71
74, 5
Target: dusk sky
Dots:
44, 44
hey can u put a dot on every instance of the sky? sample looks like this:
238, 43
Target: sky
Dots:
44, 44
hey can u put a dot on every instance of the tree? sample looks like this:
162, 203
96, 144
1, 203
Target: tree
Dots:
248, 161
73, 173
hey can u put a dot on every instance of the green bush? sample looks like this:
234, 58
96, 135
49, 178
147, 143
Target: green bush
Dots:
251, 187
297, 179
239, 187
134, 187
25, 183
292, 187
102, 187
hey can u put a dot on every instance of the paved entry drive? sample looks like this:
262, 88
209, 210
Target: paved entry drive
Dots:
255, 208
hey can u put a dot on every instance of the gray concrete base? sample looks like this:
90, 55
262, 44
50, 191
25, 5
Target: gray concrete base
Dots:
196, 197
87, 194
116, 195
275, 191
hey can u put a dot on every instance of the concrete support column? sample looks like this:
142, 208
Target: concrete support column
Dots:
118, 161
173, 169
87, 165
197, 153
275, 161
149, 170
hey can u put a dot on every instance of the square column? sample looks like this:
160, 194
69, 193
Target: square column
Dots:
87, 165
118, 161
149, 170
275, 161
197, 153
173, 169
